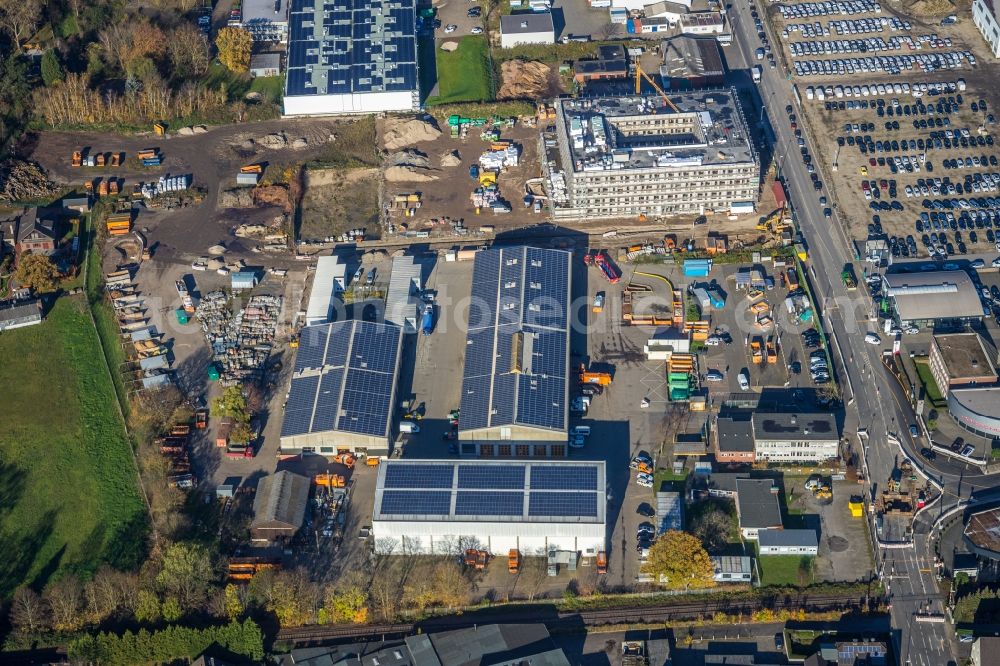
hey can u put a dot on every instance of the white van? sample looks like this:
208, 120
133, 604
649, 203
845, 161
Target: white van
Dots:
582, 430
409, 427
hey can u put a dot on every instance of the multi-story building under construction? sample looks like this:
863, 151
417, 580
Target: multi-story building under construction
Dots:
640, 155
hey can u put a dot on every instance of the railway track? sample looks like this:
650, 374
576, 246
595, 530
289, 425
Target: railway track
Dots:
313, 636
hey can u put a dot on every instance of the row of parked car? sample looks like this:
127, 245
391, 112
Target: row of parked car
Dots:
917, 90
848, 7
847, 46
979, 182
865, 26
888, 64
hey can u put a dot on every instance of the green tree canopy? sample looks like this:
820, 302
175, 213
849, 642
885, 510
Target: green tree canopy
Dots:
679, 562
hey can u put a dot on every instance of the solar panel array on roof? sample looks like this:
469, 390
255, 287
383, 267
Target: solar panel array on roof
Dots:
351, 46
499, 490
344, 377
516, 352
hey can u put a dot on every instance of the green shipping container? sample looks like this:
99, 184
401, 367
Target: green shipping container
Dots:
213, 372
182, 317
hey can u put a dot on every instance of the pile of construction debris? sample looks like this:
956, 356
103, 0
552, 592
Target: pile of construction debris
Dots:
402, 132
21, 180
240, 344
525, 79
408, 166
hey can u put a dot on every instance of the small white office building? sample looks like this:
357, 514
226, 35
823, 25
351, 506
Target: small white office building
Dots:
533, 28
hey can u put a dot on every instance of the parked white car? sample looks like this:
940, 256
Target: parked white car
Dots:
873, 339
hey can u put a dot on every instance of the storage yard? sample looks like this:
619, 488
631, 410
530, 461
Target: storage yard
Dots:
911, 155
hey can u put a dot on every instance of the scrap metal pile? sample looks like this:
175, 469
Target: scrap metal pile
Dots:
240, 344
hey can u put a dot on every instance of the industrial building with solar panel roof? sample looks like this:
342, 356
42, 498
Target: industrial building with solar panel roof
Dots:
515, 384
351, 56
342, 390
448, 506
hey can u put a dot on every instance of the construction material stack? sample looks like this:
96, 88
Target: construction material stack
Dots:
119, 225
150, 157
680, 369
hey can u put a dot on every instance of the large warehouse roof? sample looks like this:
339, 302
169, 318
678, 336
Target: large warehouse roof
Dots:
933, 295
280, 501
344, 379
490, 491
517, 346
344, 47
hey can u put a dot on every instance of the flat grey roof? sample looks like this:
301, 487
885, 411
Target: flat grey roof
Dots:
521, 24
757, 503
601, 132
265, 61
798, 538
807, 427
933, 295
731, 564
965, 355
734, 435
724, 481
984, 401
26, 310
275, 11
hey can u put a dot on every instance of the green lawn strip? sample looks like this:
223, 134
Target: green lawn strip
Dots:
930, 384
462, 73
785, 569
68, 490
272, 87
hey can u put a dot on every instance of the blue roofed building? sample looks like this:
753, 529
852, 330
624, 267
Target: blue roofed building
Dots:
515, 384
351, 56
448, 506
342, 390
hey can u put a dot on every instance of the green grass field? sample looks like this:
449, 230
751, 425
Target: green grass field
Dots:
69, 497
785, 569
930, 384
462, 73
271, 87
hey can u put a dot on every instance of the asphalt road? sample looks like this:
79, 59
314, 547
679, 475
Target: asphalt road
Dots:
872, 402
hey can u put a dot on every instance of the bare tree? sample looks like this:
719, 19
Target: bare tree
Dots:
610, 30
20, 18
65, 601
28, 613
534, 571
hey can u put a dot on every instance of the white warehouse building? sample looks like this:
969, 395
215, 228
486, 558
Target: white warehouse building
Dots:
447, 506
351, 56
984, 15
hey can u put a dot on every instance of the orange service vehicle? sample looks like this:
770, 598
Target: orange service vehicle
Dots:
602, 563
514, 561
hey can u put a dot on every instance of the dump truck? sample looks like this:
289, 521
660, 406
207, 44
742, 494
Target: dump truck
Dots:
329, 480
772, 351
477, 559
513, 561
601, 260
345, 459
599, 378
755, 351
848, 278
602, 563
77, 158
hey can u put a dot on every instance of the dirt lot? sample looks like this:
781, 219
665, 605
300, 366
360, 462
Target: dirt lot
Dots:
842, 166
211, 158
338, 200
844, 547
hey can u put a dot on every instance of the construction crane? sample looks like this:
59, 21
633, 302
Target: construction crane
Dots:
639, 75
